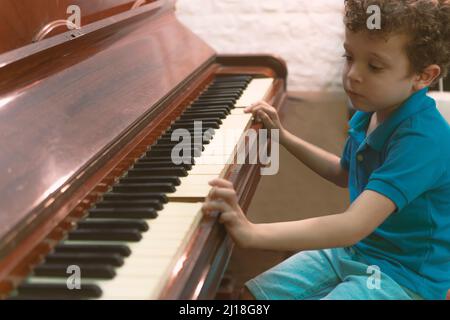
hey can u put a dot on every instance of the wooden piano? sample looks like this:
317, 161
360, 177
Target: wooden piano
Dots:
86, 116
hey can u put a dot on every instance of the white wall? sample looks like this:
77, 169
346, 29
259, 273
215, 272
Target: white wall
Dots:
308, 34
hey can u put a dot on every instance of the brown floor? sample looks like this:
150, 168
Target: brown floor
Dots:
296, 192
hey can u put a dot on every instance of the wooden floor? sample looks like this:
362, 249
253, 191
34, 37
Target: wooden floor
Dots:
296, 192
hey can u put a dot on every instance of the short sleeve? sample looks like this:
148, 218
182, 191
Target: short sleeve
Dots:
345, 158
413, 165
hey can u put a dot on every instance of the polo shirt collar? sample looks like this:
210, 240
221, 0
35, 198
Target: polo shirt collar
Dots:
415, 103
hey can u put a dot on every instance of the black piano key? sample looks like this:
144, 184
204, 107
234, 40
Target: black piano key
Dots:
131, 235
192, 125
141, 187
220, 95
211, 104
120, 249
87, 271
195, 136
208, 116
199, 128
145, 179
170, 145
199, 138
111, 224
148, 203
229, 85
200, 111
226, 90
122, 213
208, 108
185, 152
148, 162
85, 258
158, 171
57, 291
229, 78
160, 196
216, 100
205, 134
192, 131
200, 119
150, 179
235, 81
167, 159
210, 88
203, 137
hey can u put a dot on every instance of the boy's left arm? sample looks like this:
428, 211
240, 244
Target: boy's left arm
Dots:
365, 214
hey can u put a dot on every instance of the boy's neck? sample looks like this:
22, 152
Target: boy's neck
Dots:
382, 115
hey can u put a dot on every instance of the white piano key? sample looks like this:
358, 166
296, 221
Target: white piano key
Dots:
207, 169
256, 90
196, 192
194, 180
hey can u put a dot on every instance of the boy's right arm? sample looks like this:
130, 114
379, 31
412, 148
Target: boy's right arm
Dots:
324, 163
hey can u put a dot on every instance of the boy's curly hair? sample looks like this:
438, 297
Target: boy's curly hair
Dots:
426, 21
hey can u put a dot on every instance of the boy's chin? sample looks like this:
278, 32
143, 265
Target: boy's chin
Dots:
360, 106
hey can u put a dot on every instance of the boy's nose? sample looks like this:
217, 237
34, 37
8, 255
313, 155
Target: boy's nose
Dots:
354, 75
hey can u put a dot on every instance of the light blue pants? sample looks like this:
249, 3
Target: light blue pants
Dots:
331, 274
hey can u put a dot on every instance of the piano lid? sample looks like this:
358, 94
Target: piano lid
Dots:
23, 19
64, 101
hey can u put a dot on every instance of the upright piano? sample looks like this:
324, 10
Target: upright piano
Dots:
91, 204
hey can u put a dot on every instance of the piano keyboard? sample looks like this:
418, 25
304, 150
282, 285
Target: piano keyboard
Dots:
129, 244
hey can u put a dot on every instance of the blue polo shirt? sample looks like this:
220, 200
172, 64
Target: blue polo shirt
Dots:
407, 159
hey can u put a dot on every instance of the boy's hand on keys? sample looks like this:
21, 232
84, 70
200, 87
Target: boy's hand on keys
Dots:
265, 113
222, 198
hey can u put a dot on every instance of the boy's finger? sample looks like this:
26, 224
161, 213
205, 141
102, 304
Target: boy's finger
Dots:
218, 182
267, 120
256, 113
228, 195
215, 206
271, 111
251, 107
227, 217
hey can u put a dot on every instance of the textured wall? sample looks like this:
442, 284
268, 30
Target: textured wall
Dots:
308, 34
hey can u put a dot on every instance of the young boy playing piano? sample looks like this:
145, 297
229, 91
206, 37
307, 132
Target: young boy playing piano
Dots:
393, 242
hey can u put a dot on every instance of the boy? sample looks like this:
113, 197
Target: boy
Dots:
393, 242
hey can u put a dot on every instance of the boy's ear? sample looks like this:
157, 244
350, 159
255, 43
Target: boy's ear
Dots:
426, 78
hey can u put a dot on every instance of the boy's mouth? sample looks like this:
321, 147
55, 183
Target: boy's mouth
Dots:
352, 93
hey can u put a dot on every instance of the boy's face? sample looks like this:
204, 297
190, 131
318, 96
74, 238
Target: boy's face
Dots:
376, 74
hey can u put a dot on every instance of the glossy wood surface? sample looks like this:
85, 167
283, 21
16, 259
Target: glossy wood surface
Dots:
23, 19
57, 114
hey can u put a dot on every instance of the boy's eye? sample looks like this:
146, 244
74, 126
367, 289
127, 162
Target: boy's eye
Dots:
375, 68
347, 57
